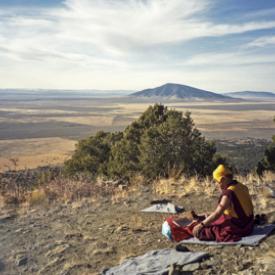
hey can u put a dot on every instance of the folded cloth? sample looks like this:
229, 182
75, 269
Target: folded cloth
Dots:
166, 230
163, 208
155, 262
258, 234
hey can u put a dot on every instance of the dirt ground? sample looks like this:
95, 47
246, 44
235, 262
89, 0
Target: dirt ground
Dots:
86, 236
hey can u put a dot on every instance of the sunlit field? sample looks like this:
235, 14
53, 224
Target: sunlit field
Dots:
45, 131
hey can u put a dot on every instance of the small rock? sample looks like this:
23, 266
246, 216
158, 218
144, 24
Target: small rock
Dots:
122, 187
19, 230
59, 250
21, 260
173, 270
191, 267
146, 189
140, 230
7, 217
212, 262
121, 228
102, 245
105, 252
73, 236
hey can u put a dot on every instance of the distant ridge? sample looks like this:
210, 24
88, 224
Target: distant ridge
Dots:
61, 93
172, 90
251, 94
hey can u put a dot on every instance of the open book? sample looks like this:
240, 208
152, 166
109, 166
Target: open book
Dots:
183, 222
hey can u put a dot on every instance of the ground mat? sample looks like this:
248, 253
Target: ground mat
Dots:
155, 262
258, 234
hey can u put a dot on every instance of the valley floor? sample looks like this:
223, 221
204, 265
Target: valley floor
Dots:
41, 132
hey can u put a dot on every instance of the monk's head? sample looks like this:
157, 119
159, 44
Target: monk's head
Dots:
223, 176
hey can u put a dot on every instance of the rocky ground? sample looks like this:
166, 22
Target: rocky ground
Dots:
86, 236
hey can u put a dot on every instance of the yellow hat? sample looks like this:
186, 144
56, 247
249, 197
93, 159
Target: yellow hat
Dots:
220, 172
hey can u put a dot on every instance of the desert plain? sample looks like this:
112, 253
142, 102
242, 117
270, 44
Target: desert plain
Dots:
39, 131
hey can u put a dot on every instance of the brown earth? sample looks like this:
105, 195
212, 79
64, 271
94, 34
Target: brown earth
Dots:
86, 236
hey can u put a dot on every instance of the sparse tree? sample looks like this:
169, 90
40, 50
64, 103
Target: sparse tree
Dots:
158, 142
175, 145
92, 154
268, 161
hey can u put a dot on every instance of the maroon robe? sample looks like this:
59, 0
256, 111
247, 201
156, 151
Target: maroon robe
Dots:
225, 229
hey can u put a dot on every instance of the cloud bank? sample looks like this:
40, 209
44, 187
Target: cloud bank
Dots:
128, 44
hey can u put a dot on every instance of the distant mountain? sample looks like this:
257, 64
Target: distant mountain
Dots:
173, 91
251, 94
59, 93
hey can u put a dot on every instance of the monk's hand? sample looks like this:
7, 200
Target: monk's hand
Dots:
197, 229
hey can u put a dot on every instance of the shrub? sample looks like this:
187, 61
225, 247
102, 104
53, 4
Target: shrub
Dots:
123, 162
92, 154
175, 145
268, 162
158, 142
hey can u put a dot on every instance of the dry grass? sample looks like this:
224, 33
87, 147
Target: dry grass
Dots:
137, 179
63, 189
122, 192
32, 153
183, 186
119, 195
99, 121
201, 116
37, 197
71, 190
261, 189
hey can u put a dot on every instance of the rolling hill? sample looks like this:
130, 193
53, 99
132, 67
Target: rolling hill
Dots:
252, 95
174, 91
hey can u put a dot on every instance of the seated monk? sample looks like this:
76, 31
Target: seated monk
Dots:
232, 219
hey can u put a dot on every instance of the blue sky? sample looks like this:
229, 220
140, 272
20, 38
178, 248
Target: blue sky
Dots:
217, 45
40, 3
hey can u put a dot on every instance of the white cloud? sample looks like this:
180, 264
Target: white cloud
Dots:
94, 40
262, 42
114, 28
229, 59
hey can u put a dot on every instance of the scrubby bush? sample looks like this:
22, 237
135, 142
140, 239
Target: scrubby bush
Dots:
92, 154
158, 142
175, 145
268, 162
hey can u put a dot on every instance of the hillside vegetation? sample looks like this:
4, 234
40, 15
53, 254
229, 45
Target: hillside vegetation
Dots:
160, 143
